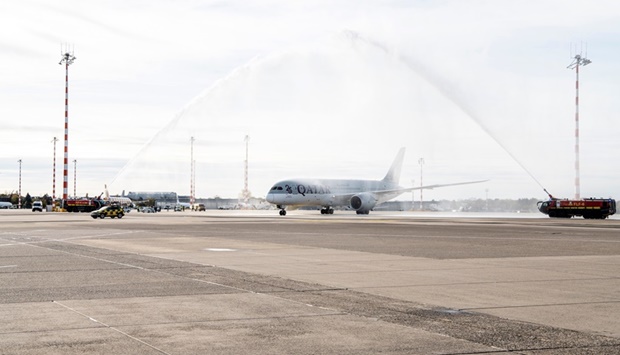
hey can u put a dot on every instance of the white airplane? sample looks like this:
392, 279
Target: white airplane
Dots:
5, 205
360, 195
121, 200
185, 205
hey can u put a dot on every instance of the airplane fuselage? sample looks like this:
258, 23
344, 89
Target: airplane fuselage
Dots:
325, 192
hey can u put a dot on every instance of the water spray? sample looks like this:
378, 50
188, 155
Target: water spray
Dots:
441, 84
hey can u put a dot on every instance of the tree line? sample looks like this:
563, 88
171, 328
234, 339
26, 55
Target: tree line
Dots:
26, 200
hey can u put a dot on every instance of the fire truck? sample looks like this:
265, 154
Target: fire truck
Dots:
589, 208
82, 204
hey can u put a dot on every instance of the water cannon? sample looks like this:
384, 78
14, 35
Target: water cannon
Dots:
550, 196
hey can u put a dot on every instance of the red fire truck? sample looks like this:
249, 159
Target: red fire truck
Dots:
82, 204
589, 208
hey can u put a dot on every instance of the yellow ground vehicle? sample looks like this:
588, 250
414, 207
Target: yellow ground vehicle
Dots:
113, 211
198, 207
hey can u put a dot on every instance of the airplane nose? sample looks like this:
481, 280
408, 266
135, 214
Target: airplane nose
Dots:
269, 198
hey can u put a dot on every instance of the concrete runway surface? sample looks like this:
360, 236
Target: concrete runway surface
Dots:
235, 282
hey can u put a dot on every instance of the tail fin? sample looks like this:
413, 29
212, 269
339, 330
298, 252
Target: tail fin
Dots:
393, 174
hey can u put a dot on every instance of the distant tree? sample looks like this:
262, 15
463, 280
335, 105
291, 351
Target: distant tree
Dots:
27, 201
47, 200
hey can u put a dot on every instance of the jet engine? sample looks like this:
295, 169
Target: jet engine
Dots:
363, 202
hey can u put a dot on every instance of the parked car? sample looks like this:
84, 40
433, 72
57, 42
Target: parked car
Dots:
37, 206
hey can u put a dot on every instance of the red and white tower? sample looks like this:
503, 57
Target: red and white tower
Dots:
54, 171
192, 182
68, 59
246, 194
74, 178
577, 62
19, 191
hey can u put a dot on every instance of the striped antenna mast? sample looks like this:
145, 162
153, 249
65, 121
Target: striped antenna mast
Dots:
67, 58
578, 61
74, 178
192, 182
19, 191
54, 171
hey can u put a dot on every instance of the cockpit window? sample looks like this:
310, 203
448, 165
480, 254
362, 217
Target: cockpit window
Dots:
279, 188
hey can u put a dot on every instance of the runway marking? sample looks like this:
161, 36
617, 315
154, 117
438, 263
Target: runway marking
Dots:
110, 327
46, 239
219, 249
5, 266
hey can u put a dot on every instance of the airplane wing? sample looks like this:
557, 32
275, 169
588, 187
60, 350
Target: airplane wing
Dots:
385, 195
430, 187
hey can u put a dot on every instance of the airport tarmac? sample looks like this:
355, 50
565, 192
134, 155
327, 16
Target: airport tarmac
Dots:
231, 282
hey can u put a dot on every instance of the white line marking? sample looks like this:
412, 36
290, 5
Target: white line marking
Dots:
110, 327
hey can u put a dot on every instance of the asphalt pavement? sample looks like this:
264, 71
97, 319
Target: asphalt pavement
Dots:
231, 282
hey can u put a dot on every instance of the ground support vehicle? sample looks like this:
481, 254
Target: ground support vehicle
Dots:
589, 208
198, 207
113, 211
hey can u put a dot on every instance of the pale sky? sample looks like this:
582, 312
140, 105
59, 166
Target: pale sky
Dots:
325, 89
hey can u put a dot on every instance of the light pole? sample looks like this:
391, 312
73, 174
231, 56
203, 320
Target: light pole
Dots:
421, 162
54, 171
192, 182
68, 59
487, 199
412, 195
19, 191
246, 189
74, 178
577, 62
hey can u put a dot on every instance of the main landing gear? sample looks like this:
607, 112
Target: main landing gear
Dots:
327, 210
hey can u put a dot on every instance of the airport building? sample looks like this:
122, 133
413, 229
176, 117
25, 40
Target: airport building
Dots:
159, 197
171, 199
